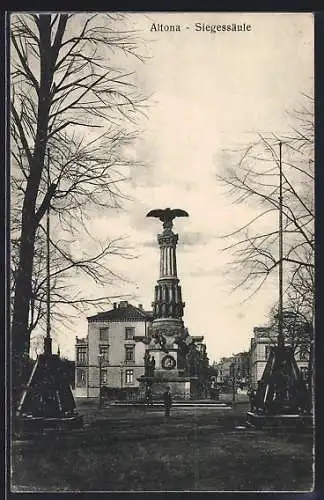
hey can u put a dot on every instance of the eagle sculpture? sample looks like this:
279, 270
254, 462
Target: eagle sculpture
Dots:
167, 214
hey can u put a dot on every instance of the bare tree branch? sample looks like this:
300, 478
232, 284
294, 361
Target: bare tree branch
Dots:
69, 96
251, 180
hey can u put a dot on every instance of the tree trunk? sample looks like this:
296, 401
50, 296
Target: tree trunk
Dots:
20, 335
30, 218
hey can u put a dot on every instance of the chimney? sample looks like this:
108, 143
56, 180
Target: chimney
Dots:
115, 305
140, 306
123, 304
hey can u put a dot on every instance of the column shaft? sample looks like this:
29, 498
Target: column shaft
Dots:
174, 262
161, 262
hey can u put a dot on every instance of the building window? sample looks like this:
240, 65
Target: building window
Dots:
303, 354
104, 333
81, 354
129, 376
129, 353
104, 377
80, 377
104, 352
267, 351
129, 332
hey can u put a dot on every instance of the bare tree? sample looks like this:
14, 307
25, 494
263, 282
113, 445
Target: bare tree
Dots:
296, 324
69, 97
68, 298
252, 178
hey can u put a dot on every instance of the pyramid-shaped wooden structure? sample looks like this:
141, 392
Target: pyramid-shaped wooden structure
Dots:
282, 388
47, 401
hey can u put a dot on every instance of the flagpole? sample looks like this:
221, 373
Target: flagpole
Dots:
280, 308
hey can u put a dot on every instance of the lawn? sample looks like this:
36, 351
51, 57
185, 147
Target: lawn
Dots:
195, 450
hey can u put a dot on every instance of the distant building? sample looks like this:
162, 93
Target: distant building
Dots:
239, 363
242, 367
110, 350
263, 338
223, 368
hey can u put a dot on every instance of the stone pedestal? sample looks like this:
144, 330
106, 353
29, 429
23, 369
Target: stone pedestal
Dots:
302, 423
180, 387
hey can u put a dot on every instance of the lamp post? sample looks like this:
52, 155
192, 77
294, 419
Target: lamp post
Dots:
100, 359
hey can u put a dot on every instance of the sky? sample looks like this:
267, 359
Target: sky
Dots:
208, 92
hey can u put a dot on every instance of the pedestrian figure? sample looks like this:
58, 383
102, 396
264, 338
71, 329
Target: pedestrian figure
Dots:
152, 366
167, 400
147, 364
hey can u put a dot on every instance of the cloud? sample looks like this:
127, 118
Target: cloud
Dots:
203, 272
194, 238
150, 244
186, 239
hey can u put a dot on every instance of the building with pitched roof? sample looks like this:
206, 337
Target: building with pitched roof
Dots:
109, 357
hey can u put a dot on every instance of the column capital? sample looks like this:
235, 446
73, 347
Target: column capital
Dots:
167, 239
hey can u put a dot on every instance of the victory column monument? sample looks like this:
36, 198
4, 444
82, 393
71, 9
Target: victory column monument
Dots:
165, 361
